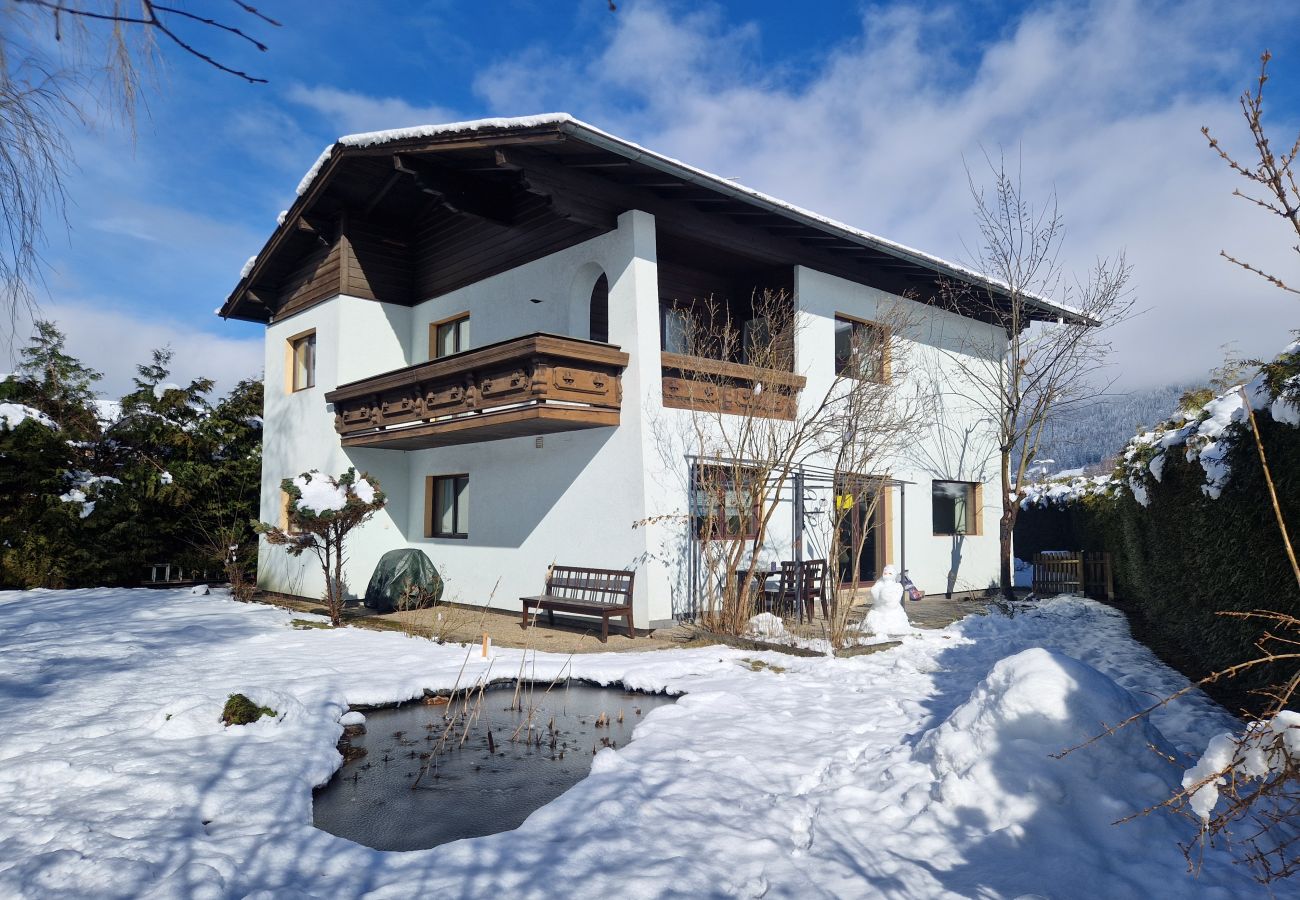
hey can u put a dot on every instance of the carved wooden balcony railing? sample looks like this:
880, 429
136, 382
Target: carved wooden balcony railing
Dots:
527, 386
695, 382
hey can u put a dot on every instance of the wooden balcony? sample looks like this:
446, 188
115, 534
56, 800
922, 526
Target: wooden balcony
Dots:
523, 387
713, 385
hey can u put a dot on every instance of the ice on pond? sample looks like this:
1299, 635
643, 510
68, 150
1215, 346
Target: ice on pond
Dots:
424, 774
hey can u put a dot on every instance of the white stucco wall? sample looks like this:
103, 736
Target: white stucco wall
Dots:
608, 497
573, 501
957, 445
354, 339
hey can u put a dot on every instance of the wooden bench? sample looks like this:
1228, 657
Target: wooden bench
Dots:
592, 592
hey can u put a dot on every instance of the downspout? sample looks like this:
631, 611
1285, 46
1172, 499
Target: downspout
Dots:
902, 527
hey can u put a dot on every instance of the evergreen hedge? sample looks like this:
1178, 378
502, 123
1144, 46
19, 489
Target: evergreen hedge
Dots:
1185, 558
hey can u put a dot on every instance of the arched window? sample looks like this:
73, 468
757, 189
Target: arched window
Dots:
598, 326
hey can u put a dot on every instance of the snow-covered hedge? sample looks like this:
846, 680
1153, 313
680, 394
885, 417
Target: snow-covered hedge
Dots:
1187, 518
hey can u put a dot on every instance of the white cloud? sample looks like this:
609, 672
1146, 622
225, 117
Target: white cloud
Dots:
1103, 101
114, 341
351, 112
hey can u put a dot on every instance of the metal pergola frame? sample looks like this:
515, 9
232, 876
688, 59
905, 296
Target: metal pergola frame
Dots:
796, 481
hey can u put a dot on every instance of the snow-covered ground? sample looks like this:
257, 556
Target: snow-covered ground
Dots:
921, 771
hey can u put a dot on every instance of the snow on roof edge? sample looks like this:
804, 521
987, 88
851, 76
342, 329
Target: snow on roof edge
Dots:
371, 138
643, 154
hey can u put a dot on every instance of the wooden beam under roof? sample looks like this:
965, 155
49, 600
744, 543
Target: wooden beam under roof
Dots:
459, 191
595, 161
381, 193
545, 176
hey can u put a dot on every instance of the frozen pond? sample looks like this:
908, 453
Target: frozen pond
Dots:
472, 764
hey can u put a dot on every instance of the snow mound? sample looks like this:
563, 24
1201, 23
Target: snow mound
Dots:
992, 757
14, 414
765, 625
352, 718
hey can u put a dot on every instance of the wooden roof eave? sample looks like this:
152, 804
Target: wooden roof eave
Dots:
283, 230
789, 219
1049, 311
338, 153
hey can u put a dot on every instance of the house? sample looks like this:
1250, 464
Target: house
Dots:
481, 315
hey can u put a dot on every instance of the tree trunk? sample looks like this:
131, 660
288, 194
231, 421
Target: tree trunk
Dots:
336, 607
1006, 528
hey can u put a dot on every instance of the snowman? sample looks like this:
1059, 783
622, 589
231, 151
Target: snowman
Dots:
886, 616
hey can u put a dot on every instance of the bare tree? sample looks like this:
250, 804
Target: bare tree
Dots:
748, 432
962, 447
59, 61
1024, 370
1273, 177
878, 411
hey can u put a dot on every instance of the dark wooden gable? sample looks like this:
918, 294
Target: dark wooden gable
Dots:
408, 220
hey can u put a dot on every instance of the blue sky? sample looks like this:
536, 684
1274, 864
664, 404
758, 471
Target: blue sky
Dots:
864, 112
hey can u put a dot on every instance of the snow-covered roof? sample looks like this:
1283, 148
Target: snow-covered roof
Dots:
594, 136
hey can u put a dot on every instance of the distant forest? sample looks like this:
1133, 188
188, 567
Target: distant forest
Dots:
1091, 434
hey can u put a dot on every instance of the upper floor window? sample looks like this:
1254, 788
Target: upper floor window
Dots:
861, 349
956, 507
449, 336
676, 328
598, 324
302, 361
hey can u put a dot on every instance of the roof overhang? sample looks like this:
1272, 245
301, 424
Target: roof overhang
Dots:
588, 151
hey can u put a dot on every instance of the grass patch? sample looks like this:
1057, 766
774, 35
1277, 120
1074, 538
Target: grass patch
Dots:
309, 623
239, 710
758, 665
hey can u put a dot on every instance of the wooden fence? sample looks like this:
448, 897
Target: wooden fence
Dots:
169, 575
1069, 572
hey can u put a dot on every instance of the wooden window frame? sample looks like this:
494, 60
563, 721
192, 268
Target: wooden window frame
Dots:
290, 361
430, 496
433, 333
974, 508
285, 525
885, 334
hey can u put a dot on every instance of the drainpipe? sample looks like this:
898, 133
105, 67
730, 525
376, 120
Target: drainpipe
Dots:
902, 528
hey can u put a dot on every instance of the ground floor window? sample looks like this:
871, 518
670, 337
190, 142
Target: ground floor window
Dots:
956, 507
446, 506
727, 503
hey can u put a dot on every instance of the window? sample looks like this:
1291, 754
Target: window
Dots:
598, 318
285, 524
861, 349
446, 506
727, 505
449, 336
956, 506
675, 328
755, 343
302, 361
